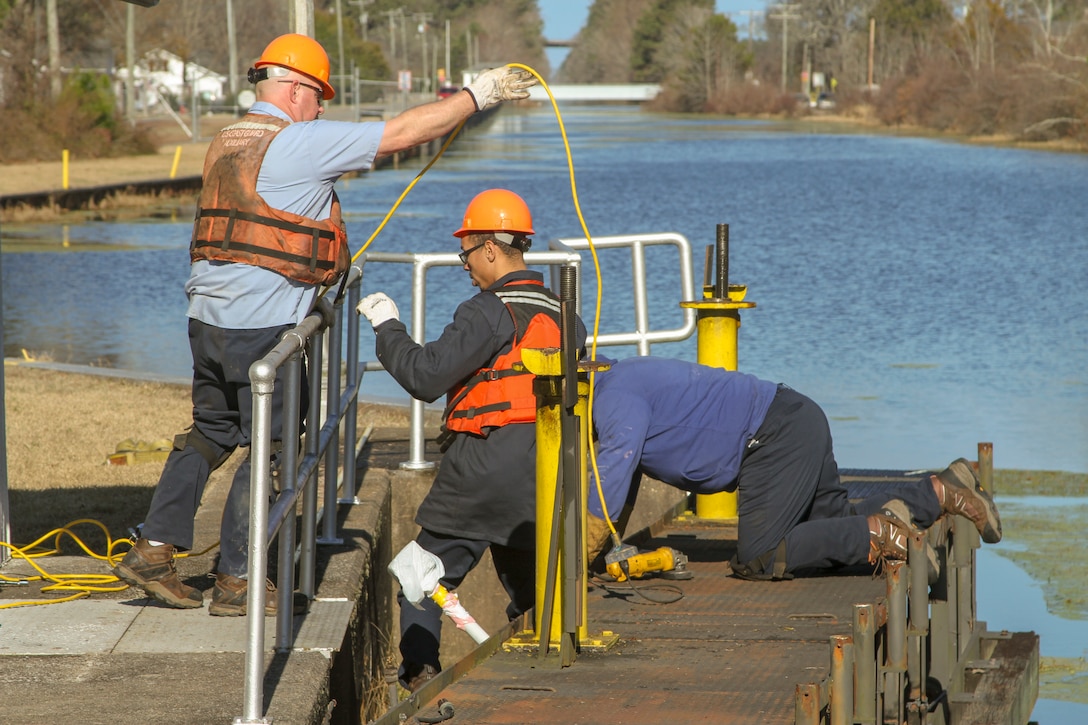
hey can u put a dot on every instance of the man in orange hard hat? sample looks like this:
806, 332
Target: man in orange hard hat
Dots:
483, 496
267, 205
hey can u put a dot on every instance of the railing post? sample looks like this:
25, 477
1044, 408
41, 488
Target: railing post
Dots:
347, 495
895, 667
332, 412
865, 664
841, 697
416, 443
308, 535
262, 378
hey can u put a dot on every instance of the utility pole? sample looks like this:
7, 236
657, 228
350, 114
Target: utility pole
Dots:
53, 38
130, 63
422, 19
751, 15
392, 33
232, 55
785, 13
872, 43
340, 46
302, 17
364, 16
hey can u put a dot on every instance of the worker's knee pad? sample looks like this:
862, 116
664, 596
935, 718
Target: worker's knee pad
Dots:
757, 569
210, 452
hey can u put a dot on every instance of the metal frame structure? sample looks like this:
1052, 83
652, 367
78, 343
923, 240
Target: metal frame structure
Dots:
562, 252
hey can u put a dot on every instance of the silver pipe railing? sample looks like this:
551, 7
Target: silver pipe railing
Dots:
298, 478
562, 252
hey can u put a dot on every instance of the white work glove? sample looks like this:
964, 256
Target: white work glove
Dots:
500, 84
418, 572
378, 308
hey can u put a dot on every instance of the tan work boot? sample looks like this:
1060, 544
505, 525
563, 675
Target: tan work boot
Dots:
151, 568
230, 592
889, 533
962, 495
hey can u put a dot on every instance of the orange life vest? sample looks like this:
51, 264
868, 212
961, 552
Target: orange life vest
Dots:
234, 224
498, 395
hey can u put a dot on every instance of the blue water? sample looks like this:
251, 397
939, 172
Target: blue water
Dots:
928, 295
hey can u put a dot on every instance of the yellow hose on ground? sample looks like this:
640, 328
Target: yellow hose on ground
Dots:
80, 584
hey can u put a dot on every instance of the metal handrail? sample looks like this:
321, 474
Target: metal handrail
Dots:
299, 477
562, 252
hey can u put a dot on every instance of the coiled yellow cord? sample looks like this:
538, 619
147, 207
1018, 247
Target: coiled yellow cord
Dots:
80, 584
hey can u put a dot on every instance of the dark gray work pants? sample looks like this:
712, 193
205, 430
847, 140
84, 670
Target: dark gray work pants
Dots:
789, 489
222, 414
421, 629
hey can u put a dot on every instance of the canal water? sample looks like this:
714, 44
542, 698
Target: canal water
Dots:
929, 295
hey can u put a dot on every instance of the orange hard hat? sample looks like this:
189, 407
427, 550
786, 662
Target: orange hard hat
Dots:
496, 210
299, 53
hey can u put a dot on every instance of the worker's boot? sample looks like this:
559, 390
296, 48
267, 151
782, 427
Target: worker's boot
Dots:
961, 494
151, 568
889, 533
230, 593
416, 676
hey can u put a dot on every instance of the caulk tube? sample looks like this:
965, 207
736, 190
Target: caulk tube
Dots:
418, 572
456, 612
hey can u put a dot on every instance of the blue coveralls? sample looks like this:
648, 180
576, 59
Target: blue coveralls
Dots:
707, 430
237, 313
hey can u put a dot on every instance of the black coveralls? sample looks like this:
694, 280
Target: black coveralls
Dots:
484, 495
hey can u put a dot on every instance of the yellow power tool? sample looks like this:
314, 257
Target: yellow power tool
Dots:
626, 562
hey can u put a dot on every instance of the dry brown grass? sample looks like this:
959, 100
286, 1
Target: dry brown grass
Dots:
62, 426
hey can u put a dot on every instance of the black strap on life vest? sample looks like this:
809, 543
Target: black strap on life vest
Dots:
231, 215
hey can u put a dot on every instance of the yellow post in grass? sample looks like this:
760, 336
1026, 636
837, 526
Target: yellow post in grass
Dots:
717, 325
177, 158
64, 169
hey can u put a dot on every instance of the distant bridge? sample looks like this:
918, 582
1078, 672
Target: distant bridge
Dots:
596, 92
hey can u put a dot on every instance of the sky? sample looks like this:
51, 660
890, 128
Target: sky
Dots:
564, 18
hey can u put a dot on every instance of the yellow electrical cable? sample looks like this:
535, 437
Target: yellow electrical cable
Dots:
81, 584
597, 270
589, 239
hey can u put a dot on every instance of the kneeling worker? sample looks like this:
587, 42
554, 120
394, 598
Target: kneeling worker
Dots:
706, 430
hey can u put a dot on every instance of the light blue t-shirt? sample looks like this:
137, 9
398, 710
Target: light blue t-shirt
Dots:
302, 165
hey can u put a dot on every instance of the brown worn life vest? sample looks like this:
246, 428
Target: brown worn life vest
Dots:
499, 395
234, 224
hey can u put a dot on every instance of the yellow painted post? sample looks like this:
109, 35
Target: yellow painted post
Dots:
177, 159
546, 365
64, 169
717, 326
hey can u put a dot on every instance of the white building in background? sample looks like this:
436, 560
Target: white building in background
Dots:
158, 75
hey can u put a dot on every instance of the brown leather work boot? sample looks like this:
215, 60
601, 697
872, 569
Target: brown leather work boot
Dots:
229, 597
963, 495
230, 592
151, 568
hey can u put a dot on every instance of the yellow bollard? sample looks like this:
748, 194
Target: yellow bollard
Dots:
177, 159
717, 326
64, 169
547, 366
